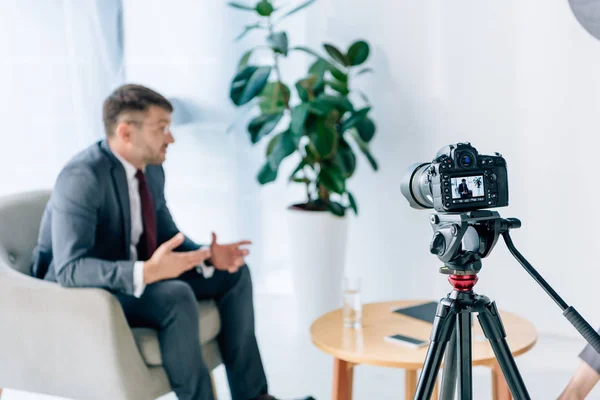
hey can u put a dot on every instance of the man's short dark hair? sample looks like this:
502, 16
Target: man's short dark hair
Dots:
130, 98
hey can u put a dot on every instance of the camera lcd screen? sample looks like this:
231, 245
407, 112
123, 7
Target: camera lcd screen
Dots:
468, 188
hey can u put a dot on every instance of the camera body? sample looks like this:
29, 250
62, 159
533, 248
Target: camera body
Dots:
461, 179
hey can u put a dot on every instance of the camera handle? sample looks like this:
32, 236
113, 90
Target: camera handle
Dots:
582, 326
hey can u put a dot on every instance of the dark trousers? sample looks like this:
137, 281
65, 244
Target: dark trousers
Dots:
171, 308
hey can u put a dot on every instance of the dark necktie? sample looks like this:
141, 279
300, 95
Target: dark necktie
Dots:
147, 242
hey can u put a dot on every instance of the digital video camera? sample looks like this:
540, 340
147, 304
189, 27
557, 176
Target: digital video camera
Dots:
458, 179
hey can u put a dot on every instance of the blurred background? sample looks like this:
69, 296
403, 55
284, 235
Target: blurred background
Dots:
517, 77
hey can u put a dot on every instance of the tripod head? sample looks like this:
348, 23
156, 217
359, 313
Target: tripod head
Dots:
461, 240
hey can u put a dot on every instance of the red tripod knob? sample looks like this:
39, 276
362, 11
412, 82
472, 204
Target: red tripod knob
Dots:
463, 283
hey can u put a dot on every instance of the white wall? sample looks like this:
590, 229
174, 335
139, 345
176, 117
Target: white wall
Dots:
517, 77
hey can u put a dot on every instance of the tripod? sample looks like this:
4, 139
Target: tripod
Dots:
461, 241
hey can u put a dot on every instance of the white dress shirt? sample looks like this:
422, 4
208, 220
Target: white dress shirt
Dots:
137, 228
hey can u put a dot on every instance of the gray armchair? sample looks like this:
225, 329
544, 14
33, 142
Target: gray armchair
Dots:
73, 342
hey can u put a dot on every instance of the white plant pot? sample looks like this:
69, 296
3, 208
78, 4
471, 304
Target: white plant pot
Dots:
318, 253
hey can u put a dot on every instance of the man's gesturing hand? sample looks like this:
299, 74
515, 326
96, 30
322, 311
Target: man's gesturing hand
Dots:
228, 257
166, 263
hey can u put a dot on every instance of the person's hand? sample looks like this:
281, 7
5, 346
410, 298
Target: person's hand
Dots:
228, 257
166, 263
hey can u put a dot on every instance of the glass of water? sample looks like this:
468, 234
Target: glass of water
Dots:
352, 310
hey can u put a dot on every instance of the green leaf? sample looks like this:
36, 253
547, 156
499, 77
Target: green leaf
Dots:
278, 42
264, 8
336, 208
247, 29
285, 146
336, 54
305, 87
332, 179
345, 159
240, 6
364, 147
366, 129
339, 102
355, 118
352, 202
274, 98
272, 144
337, 74
371, 159
266, 174
339, 87
299, 114
296, 9
248, 83
324, 139
319, 67
320, 108
244, 60
311, 154
358, 53
262, 125
364, 71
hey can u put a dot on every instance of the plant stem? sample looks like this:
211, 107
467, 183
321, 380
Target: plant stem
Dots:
275, 55
308, 199
323, 193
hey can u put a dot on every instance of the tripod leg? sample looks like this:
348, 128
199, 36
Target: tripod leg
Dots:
465, 382
490, 321
440, 335
449, 373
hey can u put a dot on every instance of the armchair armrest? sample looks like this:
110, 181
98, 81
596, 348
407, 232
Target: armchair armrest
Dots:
66, 341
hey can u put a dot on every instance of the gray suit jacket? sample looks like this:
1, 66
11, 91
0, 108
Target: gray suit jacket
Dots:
85, 231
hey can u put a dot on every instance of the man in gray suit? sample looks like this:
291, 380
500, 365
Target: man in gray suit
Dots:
107, 225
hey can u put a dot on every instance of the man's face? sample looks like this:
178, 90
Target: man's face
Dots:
150, 135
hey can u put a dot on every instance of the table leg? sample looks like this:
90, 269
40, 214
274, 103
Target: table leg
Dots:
343, 374
410, 383
500, 389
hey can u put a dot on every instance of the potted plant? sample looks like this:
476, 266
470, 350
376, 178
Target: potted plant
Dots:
315, 122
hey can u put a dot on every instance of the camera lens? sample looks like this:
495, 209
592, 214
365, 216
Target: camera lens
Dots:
416, 186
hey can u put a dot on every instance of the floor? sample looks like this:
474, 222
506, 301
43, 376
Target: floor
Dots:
295, 368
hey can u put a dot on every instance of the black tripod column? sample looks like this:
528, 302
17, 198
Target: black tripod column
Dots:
449, 375
490, 321
465, 380
443, 325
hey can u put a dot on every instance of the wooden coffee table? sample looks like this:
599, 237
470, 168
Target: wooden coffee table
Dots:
351, 347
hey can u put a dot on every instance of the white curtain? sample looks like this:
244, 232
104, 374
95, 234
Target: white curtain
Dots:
59, 61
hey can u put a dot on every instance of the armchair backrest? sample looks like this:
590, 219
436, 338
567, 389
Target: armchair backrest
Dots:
20, 217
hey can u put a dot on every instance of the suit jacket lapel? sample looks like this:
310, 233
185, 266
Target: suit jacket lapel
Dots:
122, 188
